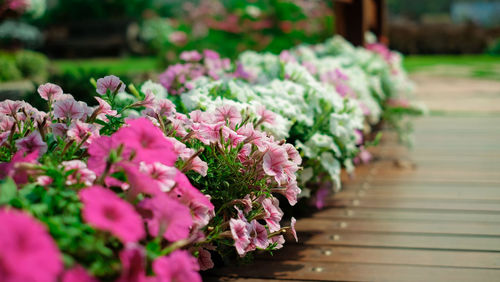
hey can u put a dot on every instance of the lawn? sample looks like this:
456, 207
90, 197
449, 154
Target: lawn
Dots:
479, 66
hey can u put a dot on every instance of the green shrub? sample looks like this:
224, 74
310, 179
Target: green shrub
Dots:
494, 48
32, 65
8, 69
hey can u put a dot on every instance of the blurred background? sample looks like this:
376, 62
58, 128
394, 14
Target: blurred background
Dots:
69, 41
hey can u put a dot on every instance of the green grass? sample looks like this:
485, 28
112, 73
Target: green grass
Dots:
120, 66
476, 66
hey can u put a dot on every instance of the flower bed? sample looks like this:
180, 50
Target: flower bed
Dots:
150, 184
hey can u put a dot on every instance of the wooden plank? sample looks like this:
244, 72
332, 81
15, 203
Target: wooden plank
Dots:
416, 204
395, 240
386, 256
320, 271
420, 215
400, 226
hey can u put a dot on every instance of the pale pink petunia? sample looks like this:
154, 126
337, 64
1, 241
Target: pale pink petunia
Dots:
28, 252
199, 166
4, 136
111, 83
273, 213
6, 122
287, 57
79, 131
293, 154
193, 56
292, 228
69, 109
273, 163
77, 274
228, 113
292, 191
104, 109
240, 234
160, 107
50, 91
266, 116
278, 240
177, 266
104, 210
148, 142
258, 236
168, 216
59, 129
79, 173
162, 174
32, 142
44, 180
9, 107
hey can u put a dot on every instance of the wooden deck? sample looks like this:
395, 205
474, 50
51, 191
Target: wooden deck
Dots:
431, 214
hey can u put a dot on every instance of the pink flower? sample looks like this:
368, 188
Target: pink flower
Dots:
266, 116
193, 56
9, 107
59, 129
273, 213
292, 191
69, 109
240, 234
199, 166
258, 236
292, 153
28, 252
292, 227
286, 56
32, 142
279, 240
321, 195
111, 83
148, 142
178, 266
140, 182
103, 209
50, 92
273, 163
19, 175
227, 113
4, 136
162, 174
80, 174
77, 274
178, 38
6, 122
168, 216
104, 109
133, 259
44, 180
201, 207
205, 259
79, 130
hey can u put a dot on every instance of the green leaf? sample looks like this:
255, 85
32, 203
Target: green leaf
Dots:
8, 190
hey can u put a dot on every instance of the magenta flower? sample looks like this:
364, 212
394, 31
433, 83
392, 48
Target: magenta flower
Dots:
77, 274
178, 266
140, 182
273, 213
104, 210
32, 142
201, 207
133, 259
111, 83
50, 92
168, 216
148, 142
321, 195
69, 109
79, 130
19, 174
28, 252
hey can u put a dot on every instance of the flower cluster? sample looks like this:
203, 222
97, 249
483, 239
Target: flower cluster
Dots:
135, 191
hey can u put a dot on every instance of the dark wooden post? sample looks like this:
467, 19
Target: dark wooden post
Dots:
354, 17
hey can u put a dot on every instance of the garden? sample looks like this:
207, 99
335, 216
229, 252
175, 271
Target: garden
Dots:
157, 140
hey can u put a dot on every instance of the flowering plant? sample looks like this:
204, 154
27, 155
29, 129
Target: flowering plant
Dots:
97, 194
